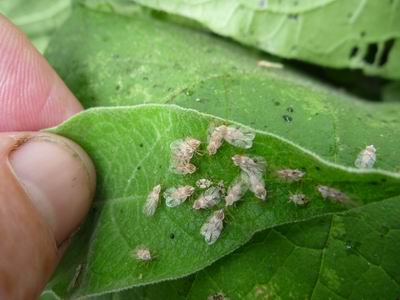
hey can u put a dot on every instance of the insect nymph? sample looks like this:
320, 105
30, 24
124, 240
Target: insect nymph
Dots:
176, 196
209, 198
182, 152
291, 174
366, 158
143, 254
298, 199
152, 201
333, 194
253, 172
211, 229
236, 190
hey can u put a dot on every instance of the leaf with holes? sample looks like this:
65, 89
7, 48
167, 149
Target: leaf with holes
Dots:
38, 19
109, 60
131, 151
336, 33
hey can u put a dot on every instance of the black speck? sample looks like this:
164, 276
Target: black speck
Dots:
293, 16
277, 103
290, 109
141, 145
317, 168
353, 52
172, 236
139, 167
117, 87
287, 118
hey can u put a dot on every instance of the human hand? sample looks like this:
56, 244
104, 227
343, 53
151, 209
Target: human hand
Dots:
46, 182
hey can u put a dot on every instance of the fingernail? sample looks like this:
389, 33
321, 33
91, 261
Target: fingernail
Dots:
58, 177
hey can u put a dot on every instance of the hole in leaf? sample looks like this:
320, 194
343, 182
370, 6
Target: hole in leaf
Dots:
371, 53
387, 47
353, 52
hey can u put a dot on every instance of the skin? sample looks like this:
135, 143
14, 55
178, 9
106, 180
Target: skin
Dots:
46, 182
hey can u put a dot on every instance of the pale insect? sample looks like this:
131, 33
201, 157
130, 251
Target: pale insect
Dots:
291, 174
183, 168
211, 229
209, 198
298, 199
176, 196
269, 64
250, 165
236, 191
217, 296
253, 172
142, 253
215, 138
152, 200
366, 158
239, 136
332, 193
182, 151
203, 183
256, 184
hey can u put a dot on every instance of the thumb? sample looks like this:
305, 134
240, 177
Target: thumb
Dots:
46, 187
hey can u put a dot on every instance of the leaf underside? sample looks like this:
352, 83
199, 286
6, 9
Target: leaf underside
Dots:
130, 147
109, 60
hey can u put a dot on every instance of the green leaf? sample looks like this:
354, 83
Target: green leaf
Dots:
336, 33
345, 256
130, 147
110, 60
38, 19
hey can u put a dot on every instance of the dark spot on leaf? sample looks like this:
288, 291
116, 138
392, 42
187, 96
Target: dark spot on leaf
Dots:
374, 183
290, 109
363, 33
371, 53
145, 78
169, 89
277, 103
287, 118
117, 87
317, 168
141, 145
115, 56
139, 167
387, 47
172, 236
383, 180
353, 52
293, 16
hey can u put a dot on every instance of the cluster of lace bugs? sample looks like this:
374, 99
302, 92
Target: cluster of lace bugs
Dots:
251, 178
